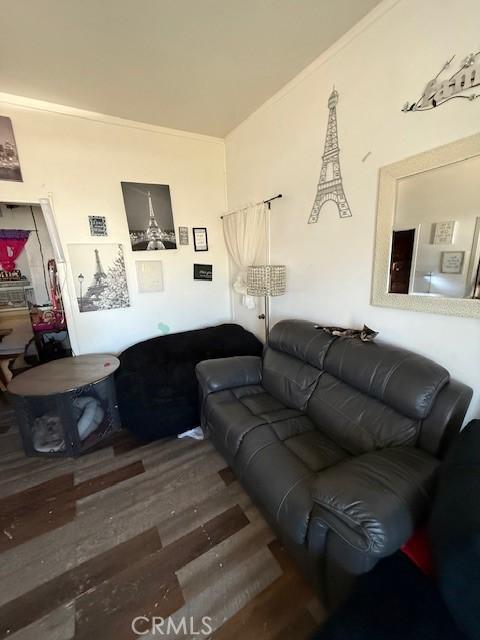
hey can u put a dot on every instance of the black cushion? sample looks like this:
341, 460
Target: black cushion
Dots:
395, 601
157, 388
455, 529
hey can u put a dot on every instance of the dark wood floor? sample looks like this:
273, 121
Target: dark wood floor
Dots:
159, 530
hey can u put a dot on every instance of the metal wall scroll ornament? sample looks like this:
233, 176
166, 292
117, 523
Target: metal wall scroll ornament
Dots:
330, 185
444, 88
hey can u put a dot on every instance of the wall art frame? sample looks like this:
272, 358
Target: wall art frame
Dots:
10, 169
200, 238
203, 272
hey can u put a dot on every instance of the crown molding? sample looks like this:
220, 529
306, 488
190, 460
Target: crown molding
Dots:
59, 109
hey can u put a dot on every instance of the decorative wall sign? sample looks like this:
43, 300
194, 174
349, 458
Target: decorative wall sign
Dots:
452, 261
149, 215
449, 86
202, 272
98, 225
443, 233
183, 235
99, 276
149, 276
9, 162
330, 185
200, 240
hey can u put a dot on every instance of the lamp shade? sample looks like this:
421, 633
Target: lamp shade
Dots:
267, 280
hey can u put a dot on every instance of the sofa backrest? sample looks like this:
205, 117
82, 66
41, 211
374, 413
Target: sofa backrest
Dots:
364, 396
374, 396
293, 361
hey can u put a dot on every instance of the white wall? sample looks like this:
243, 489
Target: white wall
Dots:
383, 62
80, 158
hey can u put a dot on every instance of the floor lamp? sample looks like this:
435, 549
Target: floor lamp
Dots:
266, 281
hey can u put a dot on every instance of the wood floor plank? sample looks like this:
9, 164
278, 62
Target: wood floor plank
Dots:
109, 479
182, 521
274, 609
56, 625
228, 590
38, 602
99, 528
227, 475
150, 587
29, 565
51, 504
33, 512
144, 589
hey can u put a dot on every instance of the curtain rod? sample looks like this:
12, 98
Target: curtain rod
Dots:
267, 202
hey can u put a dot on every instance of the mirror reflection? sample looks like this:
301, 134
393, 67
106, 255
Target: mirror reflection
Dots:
435, 247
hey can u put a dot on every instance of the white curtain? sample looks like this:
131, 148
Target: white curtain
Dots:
245, 234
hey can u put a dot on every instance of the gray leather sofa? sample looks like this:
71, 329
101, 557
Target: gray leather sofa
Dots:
338, 442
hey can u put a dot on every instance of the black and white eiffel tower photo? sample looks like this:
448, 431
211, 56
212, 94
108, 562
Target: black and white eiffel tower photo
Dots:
330, 186
99, 276
149, 216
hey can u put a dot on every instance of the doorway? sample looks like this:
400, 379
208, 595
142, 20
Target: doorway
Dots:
33, 328
401, 261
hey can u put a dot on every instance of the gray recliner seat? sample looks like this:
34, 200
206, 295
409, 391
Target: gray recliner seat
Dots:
338, 442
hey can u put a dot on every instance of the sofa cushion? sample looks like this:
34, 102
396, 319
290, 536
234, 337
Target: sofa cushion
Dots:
315, 450
233, 413
355, 421
405, 381
279, 462
277, 479
288, 379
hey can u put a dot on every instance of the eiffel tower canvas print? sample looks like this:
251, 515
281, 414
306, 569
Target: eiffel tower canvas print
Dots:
149, 216
330, 186
99, 276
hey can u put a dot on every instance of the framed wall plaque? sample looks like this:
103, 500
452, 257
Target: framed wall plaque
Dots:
98, 225
452, 261
183, 235
203, 272
443, 233
200, 240
149, 276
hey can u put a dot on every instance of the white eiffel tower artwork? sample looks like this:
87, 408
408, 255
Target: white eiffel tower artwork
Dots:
330, 185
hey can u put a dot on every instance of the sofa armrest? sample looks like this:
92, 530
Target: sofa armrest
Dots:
228, 373
375, 501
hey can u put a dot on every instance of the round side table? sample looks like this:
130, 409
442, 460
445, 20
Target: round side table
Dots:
67, 406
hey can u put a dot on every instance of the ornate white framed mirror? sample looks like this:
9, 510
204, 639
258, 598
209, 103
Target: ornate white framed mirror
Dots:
427, 248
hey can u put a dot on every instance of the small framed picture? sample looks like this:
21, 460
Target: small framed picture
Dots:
200, 240
98, 225
9, 162
443, 232
203, 272
149, 276
452, 261
183, 235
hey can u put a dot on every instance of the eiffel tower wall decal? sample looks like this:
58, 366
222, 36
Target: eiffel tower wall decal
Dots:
99, 276
330, 186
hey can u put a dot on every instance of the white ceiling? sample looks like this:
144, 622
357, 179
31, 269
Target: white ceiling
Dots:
197, 65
